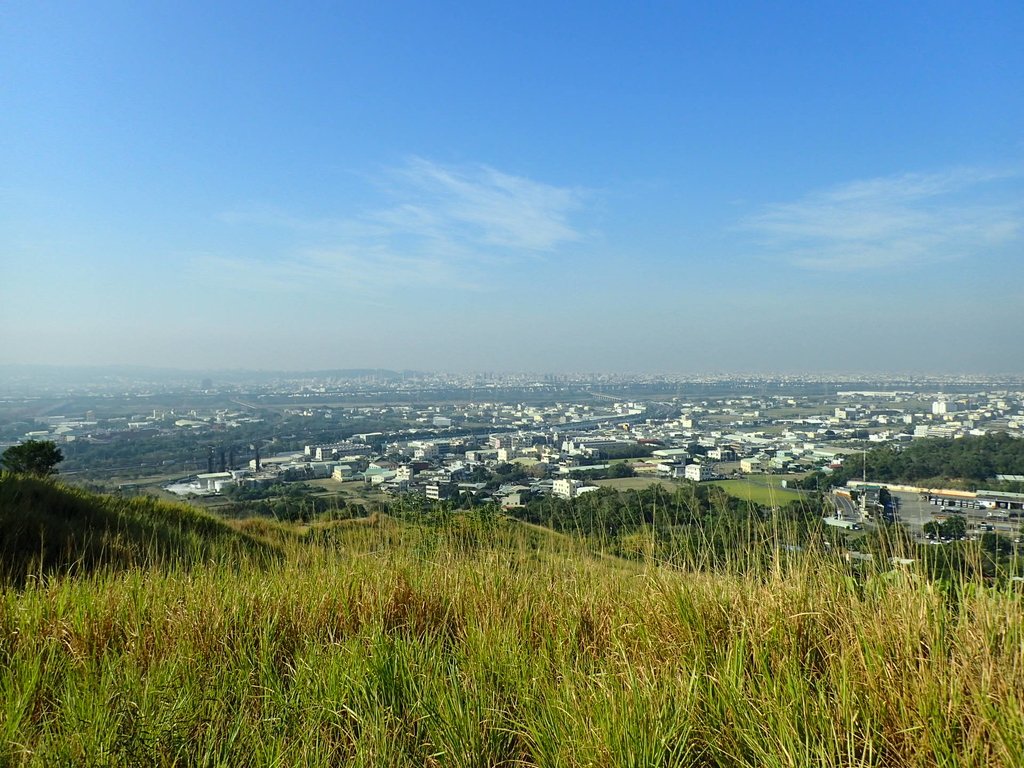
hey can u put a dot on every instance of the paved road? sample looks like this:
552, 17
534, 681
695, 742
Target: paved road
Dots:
847, 509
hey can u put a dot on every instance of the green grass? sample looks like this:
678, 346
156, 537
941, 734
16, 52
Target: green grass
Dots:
638, 483
48, 528
765, 491
485, 643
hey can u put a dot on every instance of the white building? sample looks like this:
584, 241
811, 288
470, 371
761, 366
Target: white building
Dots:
424, 450
699, 472
343, 472
214, 481
336, 450
673, 454
565, 487
438, 491
750, 466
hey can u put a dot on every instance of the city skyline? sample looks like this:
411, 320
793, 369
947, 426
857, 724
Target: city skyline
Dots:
589, 188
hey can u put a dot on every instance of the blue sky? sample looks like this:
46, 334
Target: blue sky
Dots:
665, 187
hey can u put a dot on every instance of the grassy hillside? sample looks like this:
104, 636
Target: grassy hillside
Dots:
48, 528
480, 641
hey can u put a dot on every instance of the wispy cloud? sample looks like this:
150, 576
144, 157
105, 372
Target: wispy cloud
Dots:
485, 207
897, 220
440, 225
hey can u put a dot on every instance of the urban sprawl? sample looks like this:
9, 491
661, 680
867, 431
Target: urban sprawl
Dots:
451, 443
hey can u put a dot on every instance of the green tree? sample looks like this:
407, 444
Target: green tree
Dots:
954, 528
621, 470
996, 545
34, 457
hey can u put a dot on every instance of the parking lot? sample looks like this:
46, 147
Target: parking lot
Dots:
914, 512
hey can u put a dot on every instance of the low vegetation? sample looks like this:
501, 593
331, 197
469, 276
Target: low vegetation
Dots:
470, 639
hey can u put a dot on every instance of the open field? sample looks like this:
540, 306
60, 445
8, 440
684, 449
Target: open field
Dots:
351, 490
336, 486
634, 483
760, 490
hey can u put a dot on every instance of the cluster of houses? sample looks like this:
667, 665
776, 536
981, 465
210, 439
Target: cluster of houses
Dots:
558, 446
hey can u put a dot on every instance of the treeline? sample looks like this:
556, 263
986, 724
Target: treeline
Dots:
969, 461
292, 502
622, 469
625, 452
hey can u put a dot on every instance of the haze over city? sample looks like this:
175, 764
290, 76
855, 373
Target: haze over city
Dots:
533, 384
486, 186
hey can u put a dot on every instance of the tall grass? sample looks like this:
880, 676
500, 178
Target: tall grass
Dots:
478, 643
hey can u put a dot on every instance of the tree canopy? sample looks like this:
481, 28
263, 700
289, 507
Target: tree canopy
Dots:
971, 460
33, 457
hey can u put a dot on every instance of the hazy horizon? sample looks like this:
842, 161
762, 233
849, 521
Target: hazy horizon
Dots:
723, 189
218, 376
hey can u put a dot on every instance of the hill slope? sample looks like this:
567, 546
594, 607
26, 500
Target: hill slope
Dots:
465, 641
47, 527
397, 645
